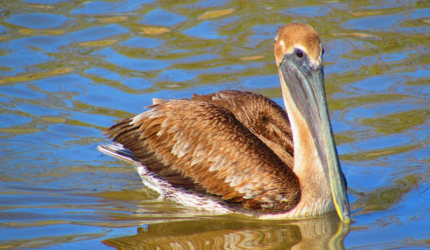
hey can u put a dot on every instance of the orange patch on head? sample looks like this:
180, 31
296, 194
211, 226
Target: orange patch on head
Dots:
298, 35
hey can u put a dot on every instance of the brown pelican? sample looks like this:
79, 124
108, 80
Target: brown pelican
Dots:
235, 151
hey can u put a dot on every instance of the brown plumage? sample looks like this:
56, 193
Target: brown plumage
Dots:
235, 151
224, 144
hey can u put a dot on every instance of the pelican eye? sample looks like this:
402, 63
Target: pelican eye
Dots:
299, 53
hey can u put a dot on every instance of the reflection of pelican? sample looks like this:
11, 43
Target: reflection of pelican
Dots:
235, 151
230, 233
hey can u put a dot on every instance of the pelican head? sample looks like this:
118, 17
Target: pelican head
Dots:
298, 54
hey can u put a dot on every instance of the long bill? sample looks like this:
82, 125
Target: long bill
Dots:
306, 85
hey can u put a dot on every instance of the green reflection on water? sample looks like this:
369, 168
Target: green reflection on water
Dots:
53, 176
388, 196
397, 123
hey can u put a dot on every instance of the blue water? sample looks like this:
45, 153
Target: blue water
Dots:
69, 69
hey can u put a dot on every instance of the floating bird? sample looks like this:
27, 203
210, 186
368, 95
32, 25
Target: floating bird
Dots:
235, 151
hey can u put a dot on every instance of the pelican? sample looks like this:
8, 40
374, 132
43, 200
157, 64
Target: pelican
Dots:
235, 151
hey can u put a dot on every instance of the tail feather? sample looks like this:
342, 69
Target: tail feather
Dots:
118, 151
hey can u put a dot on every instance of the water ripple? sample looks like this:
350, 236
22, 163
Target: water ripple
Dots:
69, 69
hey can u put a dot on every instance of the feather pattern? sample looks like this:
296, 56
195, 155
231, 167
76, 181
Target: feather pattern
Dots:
233, 145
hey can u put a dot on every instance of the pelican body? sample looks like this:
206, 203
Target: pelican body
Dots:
235, 151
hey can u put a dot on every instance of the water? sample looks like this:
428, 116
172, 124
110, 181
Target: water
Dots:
69, 69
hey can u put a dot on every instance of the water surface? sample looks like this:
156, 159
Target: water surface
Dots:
71, 68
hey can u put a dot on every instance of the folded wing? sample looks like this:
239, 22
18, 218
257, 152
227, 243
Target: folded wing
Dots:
212, 144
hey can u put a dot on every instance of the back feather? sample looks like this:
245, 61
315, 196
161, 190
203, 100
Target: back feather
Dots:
231, 144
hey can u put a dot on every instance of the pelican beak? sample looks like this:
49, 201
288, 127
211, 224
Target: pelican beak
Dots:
305, 81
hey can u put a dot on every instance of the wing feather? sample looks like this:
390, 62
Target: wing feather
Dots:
208, 145
261, 115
